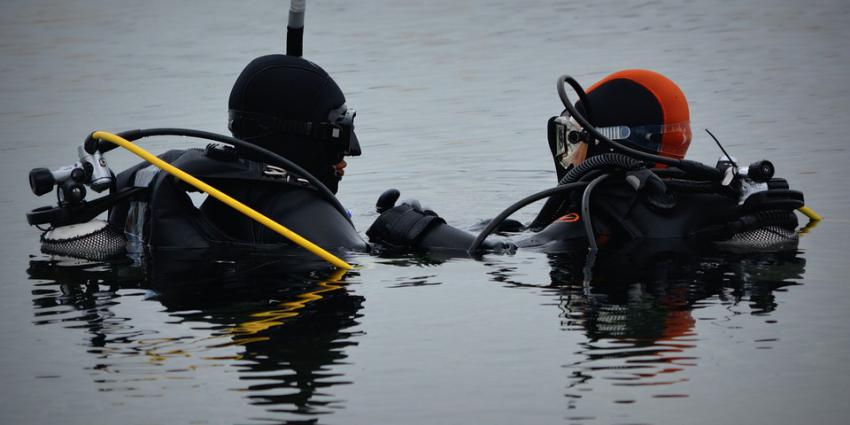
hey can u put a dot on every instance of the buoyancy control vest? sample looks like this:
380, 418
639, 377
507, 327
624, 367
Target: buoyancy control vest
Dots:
620, 213
163, 216
612, 199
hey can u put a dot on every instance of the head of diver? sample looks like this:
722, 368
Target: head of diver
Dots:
641, 109
292, 107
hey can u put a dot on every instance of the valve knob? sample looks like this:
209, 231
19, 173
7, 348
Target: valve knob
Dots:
761, 171
41, 181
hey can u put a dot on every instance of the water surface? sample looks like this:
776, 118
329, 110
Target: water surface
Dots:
452, 101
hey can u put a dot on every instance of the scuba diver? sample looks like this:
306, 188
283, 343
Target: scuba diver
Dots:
619, 159
291, 131
291, 107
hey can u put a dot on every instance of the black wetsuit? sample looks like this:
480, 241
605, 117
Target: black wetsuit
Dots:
620, 213
164, 217
300, 209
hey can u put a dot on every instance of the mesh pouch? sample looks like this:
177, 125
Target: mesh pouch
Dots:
766, 238
95, 240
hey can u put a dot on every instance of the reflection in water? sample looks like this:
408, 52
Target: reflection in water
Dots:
637, 312
282, 333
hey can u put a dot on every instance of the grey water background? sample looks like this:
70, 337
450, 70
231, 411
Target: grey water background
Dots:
452, 100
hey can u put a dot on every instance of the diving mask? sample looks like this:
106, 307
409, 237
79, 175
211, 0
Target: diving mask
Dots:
666, 139
338, 129
568, 139
341, 122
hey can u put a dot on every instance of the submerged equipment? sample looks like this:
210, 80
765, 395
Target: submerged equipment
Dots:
759, 194
76, 210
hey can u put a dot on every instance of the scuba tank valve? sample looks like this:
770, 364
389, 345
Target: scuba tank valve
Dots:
91, 170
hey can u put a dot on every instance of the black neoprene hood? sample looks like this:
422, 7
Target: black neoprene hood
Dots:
294, 89
286, 86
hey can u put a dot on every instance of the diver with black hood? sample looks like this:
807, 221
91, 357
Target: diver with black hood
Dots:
272, 185
290, 106
286, 105
622, 177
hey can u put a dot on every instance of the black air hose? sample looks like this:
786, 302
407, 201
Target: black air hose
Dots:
782, 218
606, 161
585, 212
557, 205
516, 206
91, 145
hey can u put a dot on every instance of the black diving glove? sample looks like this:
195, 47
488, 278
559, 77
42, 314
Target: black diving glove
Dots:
401, 226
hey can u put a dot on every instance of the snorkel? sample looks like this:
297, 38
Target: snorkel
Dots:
295, 28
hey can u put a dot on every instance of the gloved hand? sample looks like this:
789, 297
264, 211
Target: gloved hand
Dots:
401, 226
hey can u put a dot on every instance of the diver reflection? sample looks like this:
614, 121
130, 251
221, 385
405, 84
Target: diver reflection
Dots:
637, 313
292, 332
284, 333
79, 295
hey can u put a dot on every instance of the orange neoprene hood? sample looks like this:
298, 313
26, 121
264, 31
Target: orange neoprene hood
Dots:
639, 97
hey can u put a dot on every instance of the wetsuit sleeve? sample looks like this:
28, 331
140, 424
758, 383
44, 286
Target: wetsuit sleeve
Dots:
407, 227
448, 238
566, 232
402, 226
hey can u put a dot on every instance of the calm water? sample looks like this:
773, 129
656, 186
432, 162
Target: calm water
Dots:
452, 100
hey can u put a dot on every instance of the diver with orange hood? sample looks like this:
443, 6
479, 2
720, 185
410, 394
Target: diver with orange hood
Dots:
619, 159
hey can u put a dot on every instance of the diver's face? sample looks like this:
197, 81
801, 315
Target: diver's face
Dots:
339, 168
579, 155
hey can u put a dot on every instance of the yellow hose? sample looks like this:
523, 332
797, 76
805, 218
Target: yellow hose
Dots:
810, 213
221, 196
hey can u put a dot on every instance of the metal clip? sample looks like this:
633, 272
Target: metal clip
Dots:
277, 172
